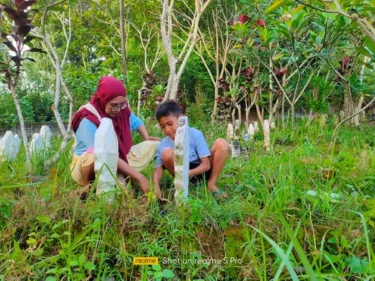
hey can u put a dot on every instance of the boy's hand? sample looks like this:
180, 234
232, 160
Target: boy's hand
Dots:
154, 138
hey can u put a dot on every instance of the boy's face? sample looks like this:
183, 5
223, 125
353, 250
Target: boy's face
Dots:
168, 125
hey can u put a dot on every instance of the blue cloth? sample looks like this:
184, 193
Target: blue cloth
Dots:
198, 147
135, 122
85, 136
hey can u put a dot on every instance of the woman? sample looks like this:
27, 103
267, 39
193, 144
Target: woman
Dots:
108, 101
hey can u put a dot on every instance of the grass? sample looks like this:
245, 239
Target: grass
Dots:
269, 228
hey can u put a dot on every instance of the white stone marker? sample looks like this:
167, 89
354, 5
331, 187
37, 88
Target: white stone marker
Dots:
181, 160
46, 135
36, 145
106, 157
9, 146
235, 148
230, 132
17, 145
273, 125
256, 127
251, 131
267, 138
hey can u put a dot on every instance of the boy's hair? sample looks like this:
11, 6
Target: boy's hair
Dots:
167, 108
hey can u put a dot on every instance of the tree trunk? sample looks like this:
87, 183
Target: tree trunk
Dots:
260, 116
174, 88
293, 117
214, 109
347, 100
358, 108
123, 37
22, 124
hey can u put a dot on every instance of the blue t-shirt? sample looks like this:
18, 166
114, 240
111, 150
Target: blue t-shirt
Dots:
85, 134
135, 122
198, 147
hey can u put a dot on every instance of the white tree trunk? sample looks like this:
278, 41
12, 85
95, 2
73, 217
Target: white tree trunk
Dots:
22, 124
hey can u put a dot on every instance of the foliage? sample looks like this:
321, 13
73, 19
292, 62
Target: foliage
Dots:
268, 223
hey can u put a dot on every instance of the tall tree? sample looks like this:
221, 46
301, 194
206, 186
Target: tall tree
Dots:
123, 37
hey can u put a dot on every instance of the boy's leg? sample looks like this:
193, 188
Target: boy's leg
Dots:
219, 153
167, 157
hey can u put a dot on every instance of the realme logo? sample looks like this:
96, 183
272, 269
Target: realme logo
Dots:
145, 260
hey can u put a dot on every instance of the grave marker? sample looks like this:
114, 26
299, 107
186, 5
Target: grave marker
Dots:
181, 160
256, 127
267, 138
36, 145
106, 157
9, 146
230, 132
251, 131
46, 135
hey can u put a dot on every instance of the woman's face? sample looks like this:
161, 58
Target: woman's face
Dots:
114, 106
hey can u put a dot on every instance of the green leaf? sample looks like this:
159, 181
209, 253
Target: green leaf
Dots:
158, 275
44, 219
89, 265
357, 265
363, 51
73, 263
37, 50
306, 264
168, 274
280, 253
52, 271
81, 259
263, 33
278, 56
156, 267
274, 6
50, 278
370, 44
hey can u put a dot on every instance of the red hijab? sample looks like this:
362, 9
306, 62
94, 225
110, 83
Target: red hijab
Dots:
108, 89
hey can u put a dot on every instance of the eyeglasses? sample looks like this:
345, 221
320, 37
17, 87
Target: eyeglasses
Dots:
117, 106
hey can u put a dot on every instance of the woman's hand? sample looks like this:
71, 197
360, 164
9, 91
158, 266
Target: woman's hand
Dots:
143, 183
126, 169
154, 138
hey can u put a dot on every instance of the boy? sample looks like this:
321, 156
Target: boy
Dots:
202, 160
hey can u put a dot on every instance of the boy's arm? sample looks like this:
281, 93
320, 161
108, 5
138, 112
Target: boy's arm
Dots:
156, 177
204, 166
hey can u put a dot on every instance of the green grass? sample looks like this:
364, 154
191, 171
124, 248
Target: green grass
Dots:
268, 229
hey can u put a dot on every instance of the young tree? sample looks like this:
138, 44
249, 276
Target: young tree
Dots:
178, 62
16, 38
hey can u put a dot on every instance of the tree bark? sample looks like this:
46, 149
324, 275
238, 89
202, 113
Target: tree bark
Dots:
166, 26
22, 124
123, 37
